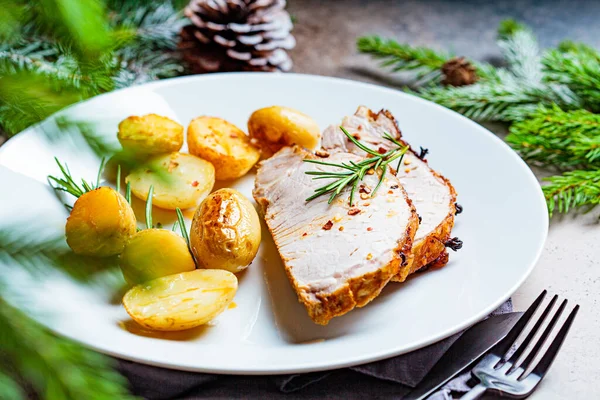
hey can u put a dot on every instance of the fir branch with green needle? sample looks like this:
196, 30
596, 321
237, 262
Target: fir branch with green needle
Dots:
426, 62
579, 70
53, 367
573, 189
556, 138
520, 50
353, 173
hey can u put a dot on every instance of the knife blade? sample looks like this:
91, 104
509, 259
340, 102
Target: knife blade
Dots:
472, 344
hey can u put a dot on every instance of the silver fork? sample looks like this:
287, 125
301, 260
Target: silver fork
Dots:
503, 376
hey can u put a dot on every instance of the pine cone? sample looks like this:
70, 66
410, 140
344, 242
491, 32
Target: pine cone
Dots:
234, 35
458, 72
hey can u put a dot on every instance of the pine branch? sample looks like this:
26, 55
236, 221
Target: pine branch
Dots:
574, 189
153, 25
557, 138
520, 50
507, 99
579, 69
56, 368
426, 62
34, 246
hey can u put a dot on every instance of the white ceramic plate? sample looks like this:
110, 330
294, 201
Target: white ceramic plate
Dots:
503, 226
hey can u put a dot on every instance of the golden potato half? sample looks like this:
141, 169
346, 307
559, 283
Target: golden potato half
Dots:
179, 180
225, 231
149, 135
100, 223
224, 145
276, 126
181, 301
154, 253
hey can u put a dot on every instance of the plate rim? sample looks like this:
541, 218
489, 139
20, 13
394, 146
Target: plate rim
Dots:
345, 361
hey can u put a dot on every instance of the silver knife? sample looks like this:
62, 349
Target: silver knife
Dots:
469, 347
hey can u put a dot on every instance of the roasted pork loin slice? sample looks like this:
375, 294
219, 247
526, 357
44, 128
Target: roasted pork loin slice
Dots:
431, 193
336, 257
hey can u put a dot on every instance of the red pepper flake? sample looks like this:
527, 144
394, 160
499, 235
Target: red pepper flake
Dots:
353, 211
321, 153
195, 183
341, 228
328, 225
356, 136
390, 192
364, 189
381, 150
304, 234
394, 187
360, 127
369, 229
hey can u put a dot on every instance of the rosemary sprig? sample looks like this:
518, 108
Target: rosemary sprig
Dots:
149, 207
128, 192
355, 172
181, 222
66, 183
119, 178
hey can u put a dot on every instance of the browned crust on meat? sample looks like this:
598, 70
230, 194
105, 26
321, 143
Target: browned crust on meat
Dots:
358, 291
433, 245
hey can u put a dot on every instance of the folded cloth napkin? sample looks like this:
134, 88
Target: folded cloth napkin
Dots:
390, 378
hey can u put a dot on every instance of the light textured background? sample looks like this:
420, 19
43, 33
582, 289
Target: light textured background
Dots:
570, 265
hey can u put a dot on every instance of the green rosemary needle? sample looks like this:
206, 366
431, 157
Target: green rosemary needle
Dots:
149, 208
353, 172
66, 183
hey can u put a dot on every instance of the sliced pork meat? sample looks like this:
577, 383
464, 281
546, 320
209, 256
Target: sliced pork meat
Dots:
337, 257
431, 193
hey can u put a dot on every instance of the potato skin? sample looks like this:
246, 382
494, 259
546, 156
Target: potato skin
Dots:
225, 231
275, 127
150, 134
100, 223
179, 180
154, 253
181, 301
224, 145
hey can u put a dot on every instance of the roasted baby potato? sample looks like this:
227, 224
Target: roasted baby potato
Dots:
274, 127
224, 145
154, 253
150, 135
180, 180
100, 223
225, 231
181, 301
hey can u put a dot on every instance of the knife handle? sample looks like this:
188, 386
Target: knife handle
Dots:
475, 392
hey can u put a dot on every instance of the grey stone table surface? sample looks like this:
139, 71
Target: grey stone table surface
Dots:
570, 264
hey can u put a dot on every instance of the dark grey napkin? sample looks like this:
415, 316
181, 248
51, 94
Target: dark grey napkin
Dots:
390, 378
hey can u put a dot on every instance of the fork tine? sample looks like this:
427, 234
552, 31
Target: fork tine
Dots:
536, 349
542, 339
534, 330
544, 365
505, 344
